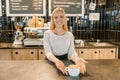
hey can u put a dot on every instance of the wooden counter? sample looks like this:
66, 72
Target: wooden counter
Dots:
91, 50
45, 70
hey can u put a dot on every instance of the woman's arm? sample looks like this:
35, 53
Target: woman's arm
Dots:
71, 50
48, 52
58, 63
47, 48
81, 62
75, 58
46, 43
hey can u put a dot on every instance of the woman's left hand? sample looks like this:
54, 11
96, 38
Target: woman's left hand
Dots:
81, 62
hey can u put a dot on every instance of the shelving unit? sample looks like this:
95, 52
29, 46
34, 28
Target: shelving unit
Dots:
107, 29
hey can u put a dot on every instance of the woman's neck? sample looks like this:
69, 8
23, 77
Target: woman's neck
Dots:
59, 31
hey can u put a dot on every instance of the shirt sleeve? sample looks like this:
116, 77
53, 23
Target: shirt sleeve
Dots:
46, 45
71, 51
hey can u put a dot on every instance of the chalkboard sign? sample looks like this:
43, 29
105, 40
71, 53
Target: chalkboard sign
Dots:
71, 7
0, 8
26, 7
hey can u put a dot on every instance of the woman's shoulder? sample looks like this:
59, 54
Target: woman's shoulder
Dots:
47, 32
69, 33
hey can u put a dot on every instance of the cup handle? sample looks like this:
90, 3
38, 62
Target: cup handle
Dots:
66, 68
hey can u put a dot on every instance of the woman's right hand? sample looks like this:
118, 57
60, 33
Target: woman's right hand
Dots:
60, 65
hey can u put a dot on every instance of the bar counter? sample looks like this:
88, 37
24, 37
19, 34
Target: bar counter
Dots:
45, 70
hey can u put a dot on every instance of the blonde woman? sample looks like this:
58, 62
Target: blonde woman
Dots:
59, 42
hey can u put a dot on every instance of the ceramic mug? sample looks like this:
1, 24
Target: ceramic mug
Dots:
73, 71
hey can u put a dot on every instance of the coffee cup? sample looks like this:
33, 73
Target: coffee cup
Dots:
73, 70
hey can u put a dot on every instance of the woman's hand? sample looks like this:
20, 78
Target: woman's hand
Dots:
60, 65
81, 62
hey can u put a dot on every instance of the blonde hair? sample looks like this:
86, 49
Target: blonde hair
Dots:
52, 25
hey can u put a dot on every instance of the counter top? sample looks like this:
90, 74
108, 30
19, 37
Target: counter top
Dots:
17, 46
45, 70
91, 45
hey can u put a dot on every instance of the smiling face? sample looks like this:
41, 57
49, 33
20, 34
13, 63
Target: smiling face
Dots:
59, 19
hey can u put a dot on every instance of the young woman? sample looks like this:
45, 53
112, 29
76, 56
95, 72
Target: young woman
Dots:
59, 42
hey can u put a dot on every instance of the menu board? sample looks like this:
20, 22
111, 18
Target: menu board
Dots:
71, 7
26, 7
0, 8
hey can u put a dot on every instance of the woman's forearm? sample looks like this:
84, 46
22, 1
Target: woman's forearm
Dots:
75, 58
53, 59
